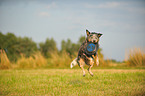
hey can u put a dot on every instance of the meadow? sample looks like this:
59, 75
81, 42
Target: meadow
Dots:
70, 82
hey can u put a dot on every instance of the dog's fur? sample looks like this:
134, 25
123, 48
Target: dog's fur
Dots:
85, 57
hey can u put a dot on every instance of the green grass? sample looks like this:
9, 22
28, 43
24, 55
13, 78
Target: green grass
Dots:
70, 82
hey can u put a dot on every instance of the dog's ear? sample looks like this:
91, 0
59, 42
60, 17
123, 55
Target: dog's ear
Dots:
99, 35
87, 32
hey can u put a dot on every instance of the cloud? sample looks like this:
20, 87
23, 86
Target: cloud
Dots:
47, 9
104, 5
46, 14
109, 5
52, 5
128, 6
136, 10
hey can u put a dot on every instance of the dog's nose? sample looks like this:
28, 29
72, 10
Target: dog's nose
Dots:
94, 40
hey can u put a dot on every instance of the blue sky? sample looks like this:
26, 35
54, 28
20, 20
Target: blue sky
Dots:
122, 22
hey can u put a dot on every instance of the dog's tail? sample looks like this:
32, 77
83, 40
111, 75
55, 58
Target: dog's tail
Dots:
73, 63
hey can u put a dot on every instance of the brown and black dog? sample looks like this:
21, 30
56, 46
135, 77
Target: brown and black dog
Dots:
88, 52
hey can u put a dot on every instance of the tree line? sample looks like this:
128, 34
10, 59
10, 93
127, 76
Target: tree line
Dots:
23, 52
16, 46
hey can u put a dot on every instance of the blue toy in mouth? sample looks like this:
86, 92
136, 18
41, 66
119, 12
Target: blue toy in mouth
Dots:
91, 47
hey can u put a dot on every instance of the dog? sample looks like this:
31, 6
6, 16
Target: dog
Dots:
87, 53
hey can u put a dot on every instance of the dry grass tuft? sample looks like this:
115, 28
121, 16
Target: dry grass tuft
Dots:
60, 60
37, 60
4, 61
136, 57
40, 59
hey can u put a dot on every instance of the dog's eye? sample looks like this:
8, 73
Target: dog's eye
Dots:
91, 35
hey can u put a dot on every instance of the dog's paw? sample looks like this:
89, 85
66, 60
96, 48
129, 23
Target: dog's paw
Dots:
92, 75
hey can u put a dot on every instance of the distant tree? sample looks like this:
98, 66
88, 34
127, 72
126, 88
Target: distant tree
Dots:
67, 46
48, 47
9, 40
2, 40
26, 45
81, 40
63, 45
70, 47
14, 46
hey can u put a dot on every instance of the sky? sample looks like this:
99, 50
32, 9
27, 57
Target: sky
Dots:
122, 22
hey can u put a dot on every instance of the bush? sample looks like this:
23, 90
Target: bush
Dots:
136, 57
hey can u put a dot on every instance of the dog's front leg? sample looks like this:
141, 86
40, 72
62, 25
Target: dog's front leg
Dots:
97, 60
91, 62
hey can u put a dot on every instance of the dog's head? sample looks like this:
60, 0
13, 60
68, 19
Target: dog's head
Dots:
93, 37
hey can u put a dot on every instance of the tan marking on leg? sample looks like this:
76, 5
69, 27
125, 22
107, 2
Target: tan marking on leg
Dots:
85, 55
97, 60
93, 57
91, 65
81, 61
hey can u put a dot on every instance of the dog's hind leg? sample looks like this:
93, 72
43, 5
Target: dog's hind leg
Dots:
89, 69
84, 74
91, 63
80, 63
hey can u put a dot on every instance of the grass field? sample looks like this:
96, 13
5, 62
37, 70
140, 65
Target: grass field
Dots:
70, 82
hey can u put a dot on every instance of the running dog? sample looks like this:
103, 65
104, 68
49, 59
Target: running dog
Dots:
88, 52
